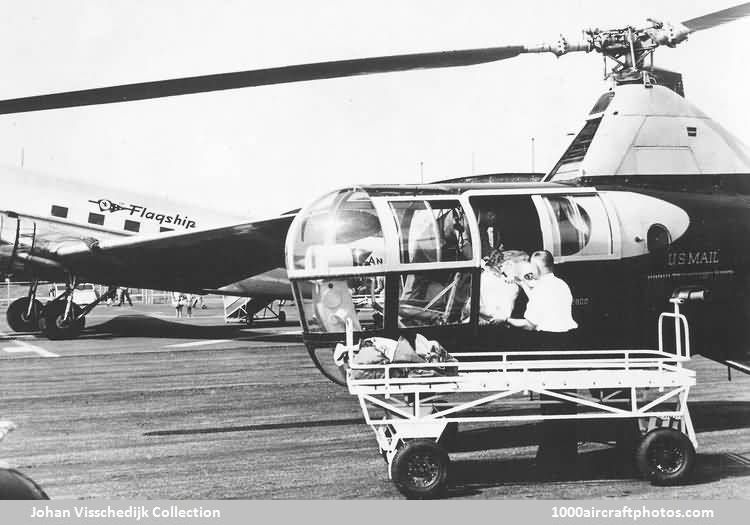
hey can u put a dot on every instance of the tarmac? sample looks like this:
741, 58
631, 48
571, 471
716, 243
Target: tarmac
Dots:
146, 406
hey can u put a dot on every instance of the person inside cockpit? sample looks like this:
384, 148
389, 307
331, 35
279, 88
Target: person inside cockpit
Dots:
455, 244
488, 236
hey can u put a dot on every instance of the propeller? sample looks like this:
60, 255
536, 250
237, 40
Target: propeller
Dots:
667, 35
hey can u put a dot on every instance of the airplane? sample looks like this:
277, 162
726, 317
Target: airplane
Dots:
649, 197
60, 231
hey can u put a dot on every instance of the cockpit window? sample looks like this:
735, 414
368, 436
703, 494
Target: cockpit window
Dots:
434, 298
580, 226
432, 231
340, 230
574, 224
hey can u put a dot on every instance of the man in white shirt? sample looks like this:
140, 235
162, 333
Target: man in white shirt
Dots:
550, 311
550, 301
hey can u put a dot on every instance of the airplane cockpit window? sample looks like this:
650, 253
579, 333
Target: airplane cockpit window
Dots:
340, 230
432, 231
580, 225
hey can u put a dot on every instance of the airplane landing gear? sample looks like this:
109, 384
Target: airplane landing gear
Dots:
23, 314
23, 317
61, 318
59, 321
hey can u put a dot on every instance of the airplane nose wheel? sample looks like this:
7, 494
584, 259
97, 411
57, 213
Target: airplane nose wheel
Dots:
55, 326
665, 456
18, 316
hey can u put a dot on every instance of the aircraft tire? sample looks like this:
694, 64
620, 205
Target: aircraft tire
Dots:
665, 456
16, 315
54, 327
420, 469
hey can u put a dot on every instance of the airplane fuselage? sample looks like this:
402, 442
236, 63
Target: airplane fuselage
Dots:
41, 216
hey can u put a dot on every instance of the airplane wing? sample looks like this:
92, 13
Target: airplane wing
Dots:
191, 261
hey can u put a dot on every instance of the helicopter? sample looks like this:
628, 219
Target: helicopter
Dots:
648, 202
650, 196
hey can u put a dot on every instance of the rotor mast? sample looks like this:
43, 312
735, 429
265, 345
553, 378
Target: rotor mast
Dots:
627, 52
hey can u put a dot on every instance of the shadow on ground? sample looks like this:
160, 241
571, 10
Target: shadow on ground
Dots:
708, 416
146, 326
470, 477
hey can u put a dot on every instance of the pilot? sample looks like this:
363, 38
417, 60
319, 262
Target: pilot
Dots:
550, 301
487, 235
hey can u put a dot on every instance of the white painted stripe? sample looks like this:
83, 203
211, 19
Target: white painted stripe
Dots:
27, 348
199, 343
262, 336
184, 317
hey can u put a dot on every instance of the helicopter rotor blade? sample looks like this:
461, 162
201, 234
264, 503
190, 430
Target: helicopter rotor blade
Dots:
718, 17
258, 77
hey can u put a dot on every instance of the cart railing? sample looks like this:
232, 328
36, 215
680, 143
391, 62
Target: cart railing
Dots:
680, 321
506, 364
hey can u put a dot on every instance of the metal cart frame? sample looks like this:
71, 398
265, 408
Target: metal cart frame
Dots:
649, 386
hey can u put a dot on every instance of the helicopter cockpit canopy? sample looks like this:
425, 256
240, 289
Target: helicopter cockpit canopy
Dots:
343, 245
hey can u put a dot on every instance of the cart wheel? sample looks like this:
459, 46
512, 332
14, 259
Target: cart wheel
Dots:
665, 456
420, 469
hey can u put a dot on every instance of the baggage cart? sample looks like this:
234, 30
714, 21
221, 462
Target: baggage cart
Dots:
412, 415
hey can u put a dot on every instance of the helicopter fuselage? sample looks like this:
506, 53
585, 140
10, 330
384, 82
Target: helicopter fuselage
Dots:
650, 196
